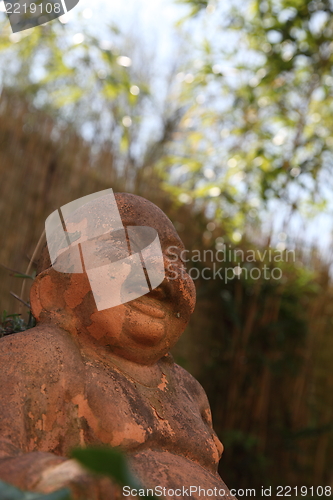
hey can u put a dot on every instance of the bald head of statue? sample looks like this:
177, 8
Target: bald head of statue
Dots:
141, 330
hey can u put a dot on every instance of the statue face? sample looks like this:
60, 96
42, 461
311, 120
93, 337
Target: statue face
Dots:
144, 329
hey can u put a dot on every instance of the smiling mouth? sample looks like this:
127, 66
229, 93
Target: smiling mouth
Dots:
149, 308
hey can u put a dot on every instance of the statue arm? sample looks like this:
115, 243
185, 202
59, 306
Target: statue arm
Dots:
206, 413
18, 466
193, 387
33, 390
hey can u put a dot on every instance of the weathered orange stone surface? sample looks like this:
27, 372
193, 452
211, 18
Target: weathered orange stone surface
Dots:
88, 377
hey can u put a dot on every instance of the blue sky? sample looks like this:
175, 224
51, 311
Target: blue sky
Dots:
153, 20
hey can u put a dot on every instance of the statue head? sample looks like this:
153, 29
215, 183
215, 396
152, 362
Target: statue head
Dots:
140, 330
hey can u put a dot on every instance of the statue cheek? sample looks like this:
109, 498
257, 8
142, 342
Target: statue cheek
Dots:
79, 288
183, 290
190, 295
186, 297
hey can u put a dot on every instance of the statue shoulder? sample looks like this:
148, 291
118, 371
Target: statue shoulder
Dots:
41, 372
41, 351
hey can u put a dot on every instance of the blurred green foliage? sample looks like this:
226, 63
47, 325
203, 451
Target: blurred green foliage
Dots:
245, 122
250, 121
259, 104
83, 80
109, 462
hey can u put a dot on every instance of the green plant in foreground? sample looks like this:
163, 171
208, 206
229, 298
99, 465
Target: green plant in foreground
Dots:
108, 462
13, 323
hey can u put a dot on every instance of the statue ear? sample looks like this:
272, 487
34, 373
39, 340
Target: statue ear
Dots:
47, 293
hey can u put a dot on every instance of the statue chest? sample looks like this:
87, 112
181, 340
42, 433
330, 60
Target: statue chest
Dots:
119, 411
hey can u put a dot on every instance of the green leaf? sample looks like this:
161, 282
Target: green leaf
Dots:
24, 276
108, 462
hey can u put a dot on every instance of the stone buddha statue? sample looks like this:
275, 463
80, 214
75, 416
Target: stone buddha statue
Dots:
85, 376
